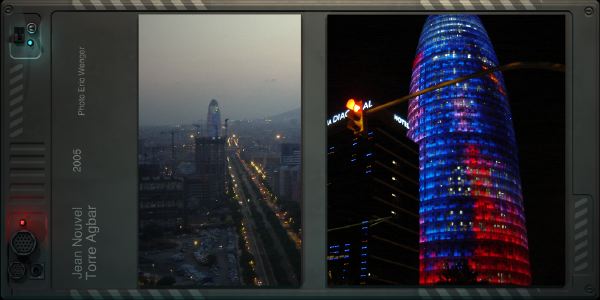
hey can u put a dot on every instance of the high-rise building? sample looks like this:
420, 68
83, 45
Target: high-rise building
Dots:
211, 167
289, 185
472, 222
373, 204
290, 154
161, 202
213, 119
207, 186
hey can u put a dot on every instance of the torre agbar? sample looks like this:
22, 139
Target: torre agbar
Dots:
472, 222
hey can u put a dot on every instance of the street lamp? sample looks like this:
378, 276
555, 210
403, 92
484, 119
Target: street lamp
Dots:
355, 111
355, 116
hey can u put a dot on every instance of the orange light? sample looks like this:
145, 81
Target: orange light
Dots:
355, 116
350, 104
353, 105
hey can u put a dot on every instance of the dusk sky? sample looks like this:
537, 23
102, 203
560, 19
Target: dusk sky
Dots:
249, 63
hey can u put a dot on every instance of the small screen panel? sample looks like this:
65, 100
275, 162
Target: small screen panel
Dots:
463, 184
219, 151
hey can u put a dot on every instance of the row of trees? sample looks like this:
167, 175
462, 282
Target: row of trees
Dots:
272, 255
269, 244
289, 246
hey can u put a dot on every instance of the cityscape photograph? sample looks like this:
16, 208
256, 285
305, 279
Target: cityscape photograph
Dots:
219, 151
463, 183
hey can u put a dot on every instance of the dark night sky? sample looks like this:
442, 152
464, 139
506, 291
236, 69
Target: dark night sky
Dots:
370, 57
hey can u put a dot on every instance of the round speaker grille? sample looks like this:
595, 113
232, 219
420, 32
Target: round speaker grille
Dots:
23, 243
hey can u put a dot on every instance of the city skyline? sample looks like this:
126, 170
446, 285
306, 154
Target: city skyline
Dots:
202, 119
249, 63
219, 151
220, 209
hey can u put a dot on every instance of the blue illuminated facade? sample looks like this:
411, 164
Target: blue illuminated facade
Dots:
472, 221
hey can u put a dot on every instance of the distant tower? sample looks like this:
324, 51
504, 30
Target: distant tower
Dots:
213, 119
472, 221
208, 184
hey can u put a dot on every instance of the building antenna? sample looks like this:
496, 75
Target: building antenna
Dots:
173, 144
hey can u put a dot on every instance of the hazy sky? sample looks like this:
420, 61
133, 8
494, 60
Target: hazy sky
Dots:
249, 63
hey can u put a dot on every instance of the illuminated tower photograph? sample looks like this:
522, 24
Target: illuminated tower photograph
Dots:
472, 220
458, 175
213, 119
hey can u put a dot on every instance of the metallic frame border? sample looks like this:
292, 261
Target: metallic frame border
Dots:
581, 134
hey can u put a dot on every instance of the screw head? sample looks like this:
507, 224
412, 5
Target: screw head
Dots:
589, 289
589, 11
31, 28
8, 9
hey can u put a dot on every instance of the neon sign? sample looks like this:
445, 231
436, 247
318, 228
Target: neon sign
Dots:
368, 104
400, 120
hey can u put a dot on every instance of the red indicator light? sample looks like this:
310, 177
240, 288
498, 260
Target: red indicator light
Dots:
22, 222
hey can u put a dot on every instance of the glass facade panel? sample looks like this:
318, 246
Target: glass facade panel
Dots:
472, 222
